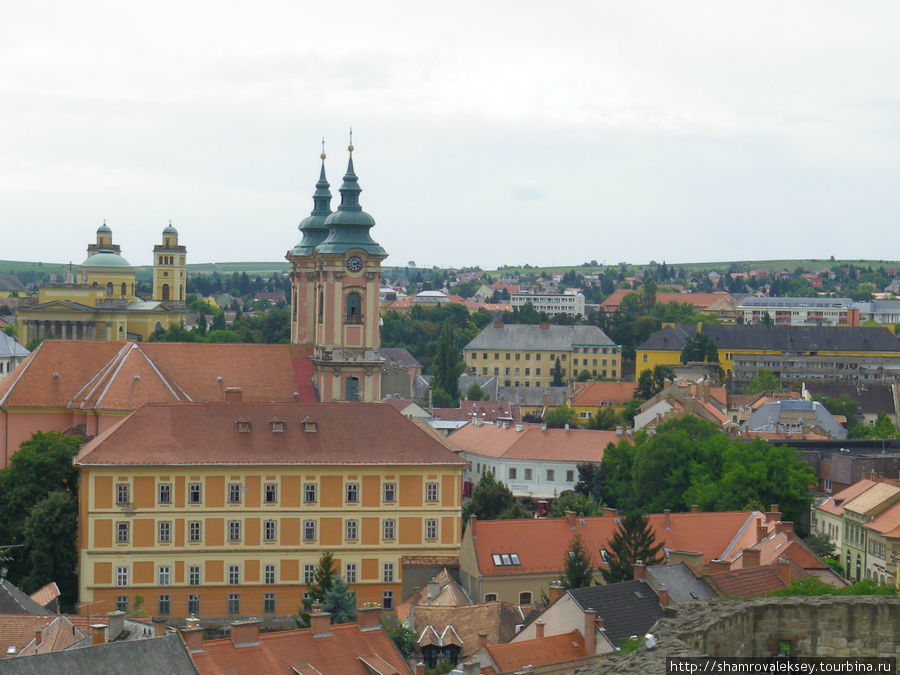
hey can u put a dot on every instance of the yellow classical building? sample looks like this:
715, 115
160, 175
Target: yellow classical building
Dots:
219, 509
99, 301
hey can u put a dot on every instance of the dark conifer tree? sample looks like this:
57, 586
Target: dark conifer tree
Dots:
633, 540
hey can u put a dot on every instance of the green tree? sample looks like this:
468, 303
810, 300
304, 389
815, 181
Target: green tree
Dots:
632, 408
821, 545
812, 585
581, 505
557, 374
605, 419
764, 380
324, 579
405, 639
475, 393
583, 376
492, 500
590, 480
441, 399
647, 295
559, 417
340, 602
700, 348
578, 565
447, 364
633, 540
48, 535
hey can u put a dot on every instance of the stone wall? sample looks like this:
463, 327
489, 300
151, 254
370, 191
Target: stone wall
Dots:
813, 626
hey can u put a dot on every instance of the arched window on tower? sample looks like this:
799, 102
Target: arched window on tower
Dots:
352, 389
109, 289
124, 289
321, 307
354, 308
165, 292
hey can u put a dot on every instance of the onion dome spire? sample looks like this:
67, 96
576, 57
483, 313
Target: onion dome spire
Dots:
313, 227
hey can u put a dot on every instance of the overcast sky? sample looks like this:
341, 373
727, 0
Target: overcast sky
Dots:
486, 133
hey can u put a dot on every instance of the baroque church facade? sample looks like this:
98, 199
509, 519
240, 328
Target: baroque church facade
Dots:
335, 282
100, 301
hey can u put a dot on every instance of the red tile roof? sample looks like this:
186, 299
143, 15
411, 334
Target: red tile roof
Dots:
745, 583
532, 442
511, 657
887, 523
698, 300
207, 433
46, 594
124, 375
541, 543
596, 393
345, 649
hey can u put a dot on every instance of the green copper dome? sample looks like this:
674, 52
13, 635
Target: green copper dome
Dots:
105, 258
170, 230
103, 229
349, 225
313, 227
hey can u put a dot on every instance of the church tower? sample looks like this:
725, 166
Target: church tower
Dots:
169, 268
104, 241
336, 290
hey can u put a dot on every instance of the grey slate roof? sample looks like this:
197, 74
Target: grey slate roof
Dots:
768, 417
14, 601
153, 656
872, 398
679, 581
780, 338
535, 338
9, 346
399, 357
627, 608
532, 396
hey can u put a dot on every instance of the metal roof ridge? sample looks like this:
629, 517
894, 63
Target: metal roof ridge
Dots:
97, 378
161, 376
740, 533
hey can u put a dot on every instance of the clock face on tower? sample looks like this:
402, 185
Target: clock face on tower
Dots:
354, 263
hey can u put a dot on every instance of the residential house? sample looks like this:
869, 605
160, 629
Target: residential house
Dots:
223, 509
14, 601
677, 579
858, 512
885, 312
681, 397
721, 305
532, 461
525, 355
400, 372
533, 402
828, 517
883, 551
47, 597
793, 419
590, 397
549, 653
872, 399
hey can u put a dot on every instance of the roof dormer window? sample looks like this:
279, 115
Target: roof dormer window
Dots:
277, 425
243, 425
309, 425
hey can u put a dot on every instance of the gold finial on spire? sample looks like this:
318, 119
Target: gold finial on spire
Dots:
323, 149
350, 147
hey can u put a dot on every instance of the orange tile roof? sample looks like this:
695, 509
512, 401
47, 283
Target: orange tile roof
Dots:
595, 393
872, 498
541, 543
745, 583
46, 594
345, 650
697, 300
532, 442
17, 630
538, 652
887, 523
498, 619
124, 375
834, 504
207, 433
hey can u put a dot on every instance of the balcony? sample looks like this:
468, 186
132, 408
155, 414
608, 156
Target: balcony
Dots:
353, 318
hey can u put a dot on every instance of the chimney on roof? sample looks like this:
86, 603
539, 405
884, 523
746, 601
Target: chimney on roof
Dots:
783, 567
544, 325
319, 621
668, 514
663, 596
420, 669
555, 592
472, 667
539, 630
369, 618
695, 508
762, 531
245, 633
234, 394
620, 430
773, 513
192, 635
566, 427
38, 633
98, 635
570, 516
159, 627
609, 512
639, 570
482, 640
498, 324
718, 565
116, 625
590, 631
785, 526
751, 557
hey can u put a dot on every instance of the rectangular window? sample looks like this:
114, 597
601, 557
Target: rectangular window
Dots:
165, 531
431, 492
551, 474
350, 573
496, 356
351, 529
195, 493
352, 493
193, 604
309, 530
309, 493
123, 493
390, 492
431, 528
387, 572
165, 493
387, 529
193, 575
122, 533
194, 531
271, 493
164, 603
387, 600
511, 473
268, 603
570, 476
121, 576
234, 493
121, 603
234, 575
527, 474
234, 603
165, 575
537, 357
234, 530
269, 574
309, 573
270, 530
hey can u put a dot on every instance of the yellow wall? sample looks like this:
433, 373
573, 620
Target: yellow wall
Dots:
534, 368
648, 359
100, 554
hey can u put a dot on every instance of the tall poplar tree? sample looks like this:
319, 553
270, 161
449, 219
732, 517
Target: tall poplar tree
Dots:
447, 364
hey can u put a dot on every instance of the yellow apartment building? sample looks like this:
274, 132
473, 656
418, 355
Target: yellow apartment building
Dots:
525, 355
223, 509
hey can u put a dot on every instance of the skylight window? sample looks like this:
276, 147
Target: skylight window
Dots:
497, 561
505, 559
